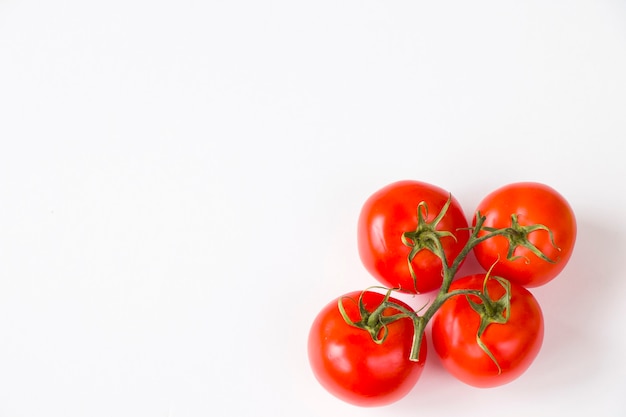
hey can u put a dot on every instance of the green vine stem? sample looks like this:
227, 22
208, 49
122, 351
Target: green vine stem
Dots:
427, 237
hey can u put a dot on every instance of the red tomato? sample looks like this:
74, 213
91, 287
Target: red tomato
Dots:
514, 344
351, 366
533, 203
392, 211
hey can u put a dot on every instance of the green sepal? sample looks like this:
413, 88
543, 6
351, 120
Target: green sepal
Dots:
374, 322
426, 237
491, 312
517, 235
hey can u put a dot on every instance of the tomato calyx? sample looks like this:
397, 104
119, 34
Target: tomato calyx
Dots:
491, 311
375, 322
517, 235
426, 236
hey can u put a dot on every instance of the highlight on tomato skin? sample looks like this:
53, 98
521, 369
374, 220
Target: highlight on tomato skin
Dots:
351, 366
515, 344
534, 204
392, 211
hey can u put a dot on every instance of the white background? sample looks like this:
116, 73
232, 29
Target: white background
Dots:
180, 183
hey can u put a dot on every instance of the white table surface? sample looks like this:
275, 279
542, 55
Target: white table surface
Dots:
180, 183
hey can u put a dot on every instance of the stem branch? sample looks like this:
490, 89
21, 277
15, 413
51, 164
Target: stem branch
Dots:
427, 237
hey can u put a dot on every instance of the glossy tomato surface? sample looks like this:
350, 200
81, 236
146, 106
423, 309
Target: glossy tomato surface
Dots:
534, 203
351, 366
514, 344
390, 212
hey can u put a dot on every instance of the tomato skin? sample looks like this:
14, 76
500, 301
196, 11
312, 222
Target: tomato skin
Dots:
534, 203
515, 344
351, 366
390, 212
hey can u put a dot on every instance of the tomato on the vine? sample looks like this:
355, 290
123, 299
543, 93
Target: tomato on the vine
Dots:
351, 365
513, 345
393, 211
529, 203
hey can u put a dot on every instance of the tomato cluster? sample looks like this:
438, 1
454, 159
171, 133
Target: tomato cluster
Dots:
368, 348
